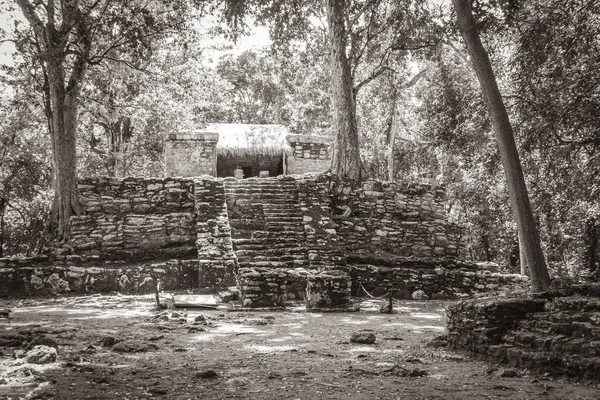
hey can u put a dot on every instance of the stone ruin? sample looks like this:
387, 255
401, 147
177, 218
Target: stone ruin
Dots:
557, 334
266, 235
245, 151
231, 212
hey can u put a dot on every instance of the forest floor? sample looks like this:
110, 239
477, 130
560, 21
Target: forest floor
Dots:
113, 347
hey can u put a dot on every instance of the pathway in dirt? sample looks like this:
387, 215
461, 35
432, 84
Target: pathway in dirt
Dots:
111, 347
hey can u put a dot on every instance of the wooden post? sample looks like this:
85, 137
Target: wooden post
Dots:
284, 164
157, 289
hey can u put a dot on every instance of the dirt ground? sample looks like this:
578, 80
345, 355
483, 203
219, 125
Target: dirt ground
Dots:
111, 347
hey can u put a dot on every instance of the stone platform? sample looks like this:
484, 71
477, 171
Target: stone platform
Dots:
560, 336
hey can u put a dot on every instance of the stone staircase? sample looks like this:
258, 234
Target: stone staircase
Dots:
557, 336
564, 339
266, 222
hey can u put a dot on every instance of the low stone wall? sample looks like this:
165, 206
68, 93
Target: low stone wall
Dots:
310, 154
191, 154
394, 218
558, 336
42, 276
438, 278
135, 218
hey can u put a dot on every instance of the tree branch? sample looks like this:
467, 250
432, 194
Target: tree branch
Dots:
34, 20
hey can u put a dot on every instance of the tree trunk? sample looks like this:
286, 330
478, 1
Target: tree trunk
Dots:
346, 158
2, 209
591, 244
63, 133
517, 190
522, 258
61, 95
392, 143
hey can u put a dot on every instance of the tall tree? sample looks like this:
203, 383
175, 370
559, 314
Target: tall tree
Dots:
519, 199
346, 159
69, 36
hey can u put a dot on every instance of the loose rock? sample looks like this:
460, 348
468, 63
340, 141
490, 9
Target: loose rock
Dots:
419, 295
208, 374
108, 341
438, 341
363, 337
507, 373
41, 355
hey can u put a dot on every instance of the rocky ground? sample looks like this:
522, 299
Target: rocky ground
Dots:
118, 347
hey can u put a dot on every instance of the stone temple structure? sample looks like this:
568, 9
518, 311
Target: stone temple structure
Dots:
252, 206
244, 151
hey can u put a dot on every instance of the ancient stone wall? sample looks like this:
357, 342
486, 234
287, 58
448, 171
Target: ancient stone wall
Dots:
215, 250
438, 278
396, 219
322, 242
190, 154
135, 218
43, 276
386, 236
310, 154
559, 336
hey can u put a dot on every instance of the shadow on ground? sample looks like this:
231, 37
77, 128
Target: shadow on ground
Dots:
117, 347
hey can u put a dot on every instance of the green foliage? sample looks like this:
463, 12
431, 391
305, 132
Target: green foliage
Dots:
24, 176
557, 75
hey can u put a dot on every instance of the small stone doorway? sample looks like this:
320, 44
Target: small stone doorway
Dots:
251, 165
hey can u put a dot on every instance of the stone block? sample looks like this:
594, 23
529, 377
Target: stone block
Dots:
328, 289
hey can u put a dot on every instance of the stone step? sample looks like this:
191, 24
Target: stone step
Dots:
552, 363
269, 264
265, 198
279, 219
262, 245
293, 213
255, 181
280, 252
244, 224
577, 304
284, 202
552, 343
568, 317
271, 246
288, 259
570, 329
283, 222
279, 234
263, 190
298, 230
252, 199
279, 241
284, 209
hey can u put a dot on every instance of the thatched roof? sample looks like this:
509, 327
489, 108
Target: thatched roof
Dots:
240, 140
